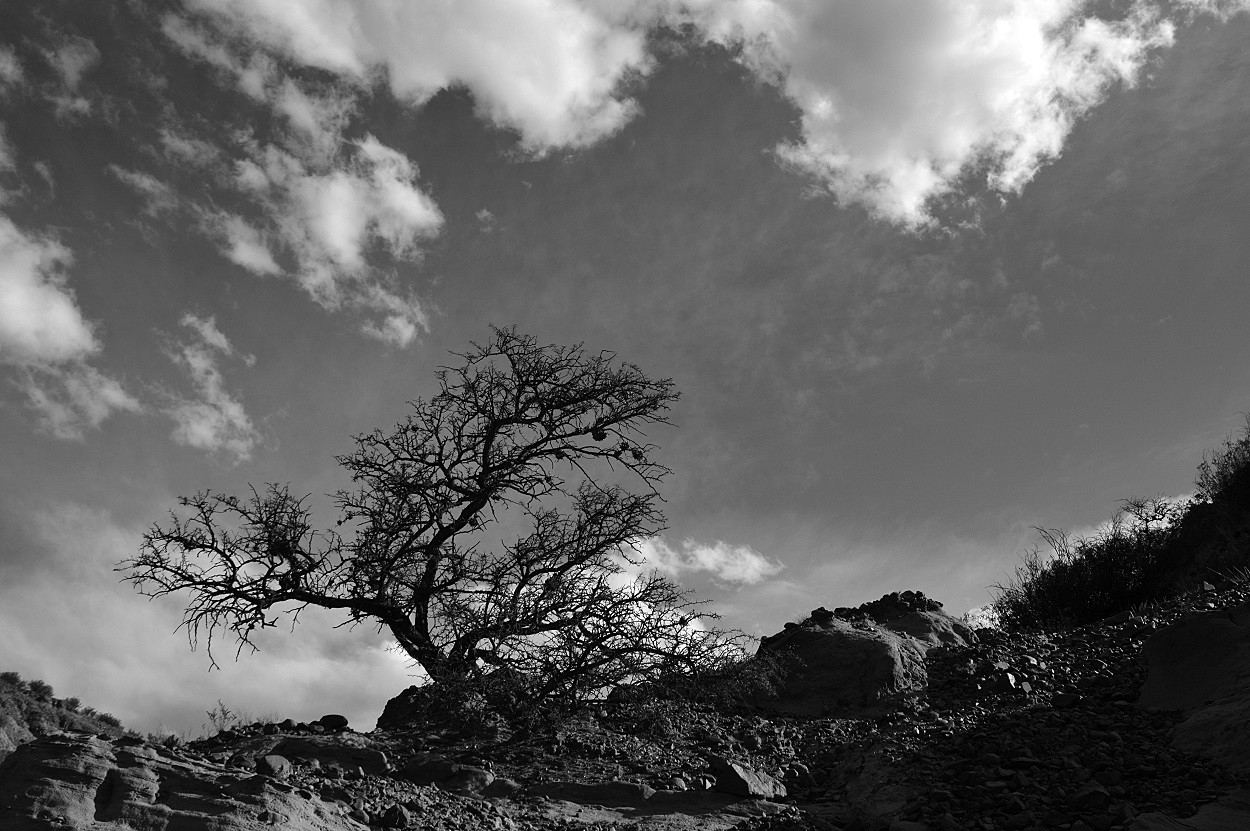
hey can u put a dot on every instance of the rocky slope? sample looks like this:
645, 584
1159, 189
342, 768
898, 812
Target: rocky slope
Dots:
28, 710
1021, 732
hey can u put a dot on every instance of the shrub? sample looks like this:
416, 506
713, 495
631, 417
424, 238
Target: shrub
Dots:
1085, 579
71, 704
12, 679
39, 689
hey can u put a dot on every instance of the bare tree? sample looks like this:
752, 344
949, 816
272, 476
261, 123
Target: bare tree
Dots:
520, 436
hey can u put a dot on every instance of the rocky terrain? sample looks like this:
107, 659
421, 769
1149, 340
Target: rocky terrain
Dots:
895, 716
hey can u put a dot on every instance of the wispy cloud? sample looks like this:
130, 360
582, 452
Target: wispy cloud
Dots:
71, 58
46, 339
213, 419
737, 564
327, 210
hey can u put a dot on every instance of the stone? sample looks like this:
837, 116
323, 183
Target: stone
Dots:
1201, 666
427, 769
467, 779
933, 627
79, 781
279, 767
1091, 797
346, 750
1198, 659
501, 788
396, 816
608, 794
432, 769
840, 667
333, 722
1232, 813
741, 780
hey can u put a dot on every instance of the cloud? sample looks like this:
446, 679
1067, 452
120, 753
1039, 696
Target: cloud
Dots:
332, 219
6, 155
72, 58
46, 339
70, 398
553, 70
138, 668
213, 420
181, 149
158, 197
900, 99
11, 74
39, 318
726, 563
240, 242
327, 210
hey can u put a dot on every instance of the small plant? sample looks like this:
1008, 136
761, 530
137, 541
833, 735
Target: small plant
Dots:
222, 718
1086, 579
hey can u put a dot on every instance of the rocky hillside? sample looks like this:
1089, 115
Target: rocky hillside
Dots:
1136, 723
28, 710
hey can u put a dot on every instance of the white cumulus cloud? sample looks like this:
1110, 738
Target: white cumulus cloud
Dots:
727, 563
46, 339
899, 98
214, 419
551, 69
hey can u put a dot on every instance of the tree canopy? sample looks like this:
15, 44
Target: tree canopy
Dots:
493, 528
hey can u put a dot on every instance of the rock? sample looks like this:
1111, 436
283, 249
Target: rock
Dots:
609, 794
12, 734
1201, 666
1232, 813
333, 722
1196, 660
279, 767
1091, 797
78, 781
348, 751
467, 779
501, 788
933, 627
840, 667
396, 816
427, 769
908, 825
432, 769
739, 779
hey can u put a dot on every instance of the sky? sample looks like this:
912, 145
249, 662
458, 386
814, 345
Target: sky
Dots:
927, 274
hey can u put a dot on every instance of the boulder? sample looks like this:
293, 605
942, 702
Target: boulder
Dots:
347, 751
1232, 813
739, 779
279, 767
82, 781
432, 769
934, 628
333, 722
1200, 665
838, 667
609, 794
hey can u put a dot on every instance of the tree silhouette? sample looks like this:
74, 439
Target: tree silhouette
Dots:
539, 441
